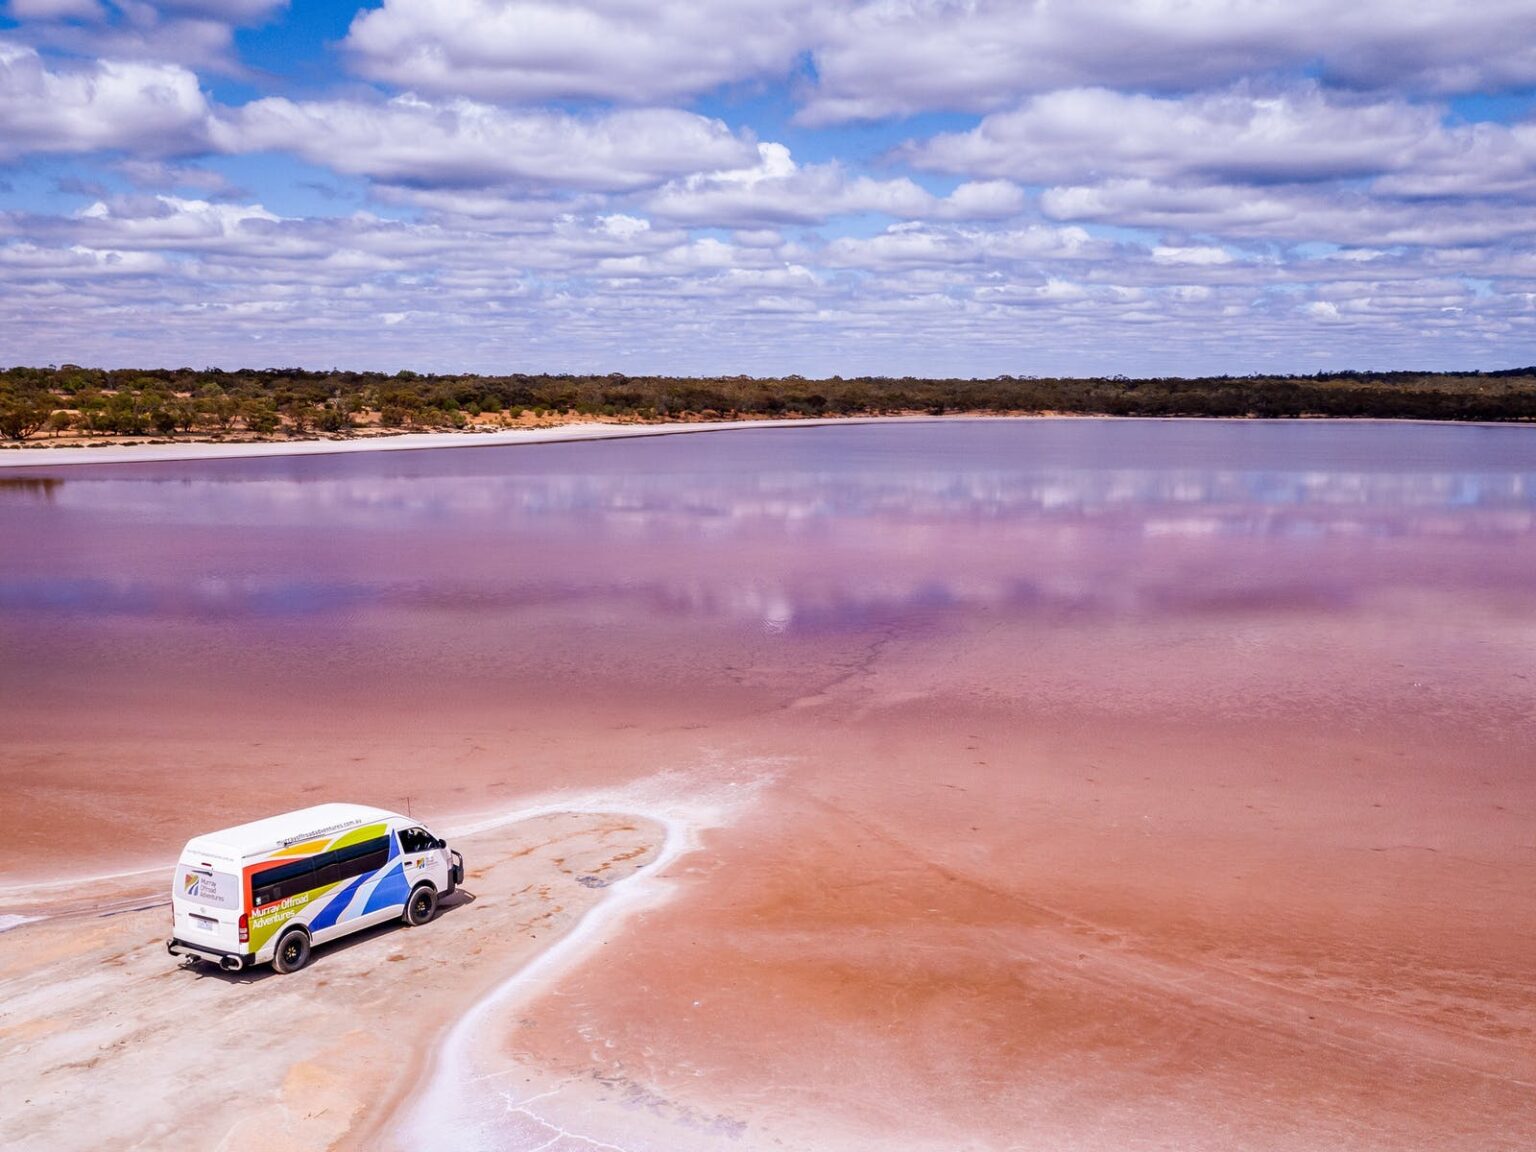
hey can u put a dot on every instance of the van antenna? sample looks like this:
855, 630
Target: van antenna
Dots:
408, 811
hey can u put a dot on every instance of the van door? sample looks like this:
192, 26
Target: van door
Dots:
206, 903
424, 859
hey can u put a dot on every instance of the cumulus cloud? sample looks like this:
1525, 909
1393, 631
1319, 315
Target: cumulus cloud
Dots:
1294, 214
197, 33
876, 59
56, 10
1295, 164
916, 244
592, 291
550, 49
1200, 254
873, 58
168, 222
143, 13
416, 142
776, 190
76, 261
1177, 171
1300, 135
153, 109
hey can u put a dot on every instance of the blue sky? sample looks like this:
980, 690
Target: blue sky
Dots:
769, 186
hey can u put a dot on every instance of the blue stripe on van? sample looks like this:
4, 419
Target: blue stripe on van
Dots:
332, 911
392, 888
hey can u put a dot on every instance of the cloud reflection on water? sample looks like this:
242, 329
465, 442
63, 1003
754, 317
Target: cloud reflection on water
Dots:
841, 543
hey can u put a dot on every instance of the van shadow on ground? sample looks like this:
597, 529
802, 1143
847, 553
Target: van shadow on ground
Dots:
447, 905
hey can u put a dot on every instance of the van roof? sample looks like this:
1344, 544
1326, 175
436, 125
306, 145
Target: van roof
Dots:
289, 827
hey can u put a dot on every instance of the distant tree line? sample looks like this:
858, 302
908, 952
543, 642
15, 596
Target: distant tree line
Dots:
270, 402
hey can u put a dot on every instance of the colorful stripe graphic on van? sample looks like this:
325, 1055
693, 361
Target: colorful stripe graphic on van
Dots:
264, 924
331, 901
391, 888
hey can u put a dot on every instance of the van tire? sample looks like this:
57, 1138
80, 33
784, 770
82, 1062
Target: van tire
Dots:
422, 905
292, 951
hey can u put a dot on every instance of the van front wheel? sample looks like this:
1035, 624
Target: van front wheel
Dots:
292, 952
422, 905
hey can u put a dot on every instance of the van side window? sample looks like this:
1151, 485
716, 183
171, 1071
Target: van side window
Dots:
353, 860
416, 840
285, 880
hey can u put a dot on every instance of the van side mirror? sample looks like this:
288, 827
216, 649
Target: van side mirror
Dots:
439, 843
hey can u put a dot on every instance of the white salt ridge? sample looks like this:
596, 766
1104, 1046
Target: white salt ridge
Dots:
455, 1109
9, 920
412, 441
33, 887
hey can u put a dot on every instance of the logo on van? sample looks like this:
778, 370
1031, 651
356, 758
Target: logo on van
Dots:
191, 882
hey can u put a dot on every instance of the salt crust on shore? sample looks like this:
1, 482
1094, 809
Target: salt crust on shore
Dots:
12, 456
89, 1033
459, 1105
411, 441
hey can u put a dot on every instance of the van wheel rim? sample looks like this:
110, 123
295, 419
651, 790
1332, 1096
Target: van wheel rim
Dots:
291, 951
421, 905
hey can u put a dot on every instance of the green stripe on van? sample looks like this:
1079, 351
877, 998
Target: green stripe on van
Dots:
358, 835
265, 925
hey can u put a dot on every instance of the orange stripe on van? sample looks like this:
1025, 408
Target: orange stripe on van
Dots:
308, 848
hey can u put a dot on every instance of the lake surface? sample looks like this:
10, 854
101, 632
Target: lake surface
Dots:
1153, 784
787, 533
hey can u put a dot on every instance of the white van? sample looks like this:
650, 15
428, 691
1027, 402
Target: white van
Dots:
271, 889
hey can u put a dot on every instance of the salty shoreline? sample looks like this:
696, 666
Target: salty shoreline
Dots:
119, 960
550, 880
414, 441
438, 1107
38, 456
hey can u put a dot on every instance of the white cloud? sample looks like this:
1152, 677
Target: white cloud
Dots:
188, 280
416, 142
168, 222
198, 33
983, 200
153, 109
553, 237
56, 10
1200, 255
77, 261
143, 13
609, 49
1300, 135
877, 58
776, 190
918, 245
1346, 216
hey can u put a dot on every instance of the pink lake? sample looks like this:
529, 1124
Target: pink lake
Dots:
1097, 784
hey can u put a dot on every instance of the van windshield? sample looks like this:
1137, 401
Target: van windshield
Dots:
206, 887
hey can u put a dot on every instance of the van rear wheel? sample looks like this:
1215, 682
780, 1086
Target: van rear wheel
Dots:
292, 952
421, 906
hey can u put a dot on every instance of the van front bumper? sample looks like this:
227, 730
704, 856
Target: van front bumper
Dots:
229, 961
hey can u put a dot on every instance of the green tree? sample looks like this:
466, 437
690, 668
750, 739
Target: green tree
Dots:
259, 417
22, 417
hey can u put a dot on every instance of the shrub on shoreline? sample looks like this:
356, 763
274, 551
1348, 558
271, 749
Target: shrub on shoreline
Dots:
294, 401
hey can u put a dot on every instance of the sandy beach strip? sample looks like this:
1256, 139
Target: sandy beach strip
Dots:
42, 457
14, 456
